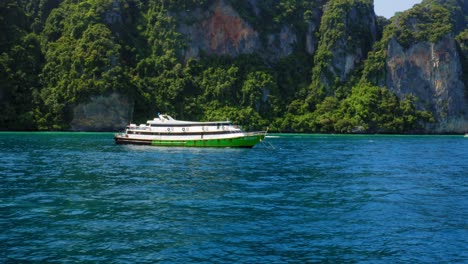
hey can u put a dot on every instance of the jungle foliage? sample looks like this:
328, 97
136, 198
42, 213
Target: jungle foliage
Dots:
55, 54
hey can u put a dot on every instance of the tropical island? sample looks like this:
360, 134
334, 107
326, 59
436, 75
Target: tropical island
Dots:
312, 66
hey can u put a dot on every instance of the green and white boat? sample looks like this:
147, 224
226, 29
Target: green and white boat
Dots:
166, 131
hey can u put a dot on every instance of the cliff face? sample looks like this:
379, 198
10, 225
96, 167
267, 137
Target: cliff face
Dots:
431, 64
348, 29
221, 30
357, 36
102, 113
432, 72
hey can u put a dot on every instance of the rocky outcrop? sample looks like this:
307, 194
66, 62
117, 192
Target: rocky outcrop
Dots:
102, 113
348, 31
433, 73
221, 30
311, 40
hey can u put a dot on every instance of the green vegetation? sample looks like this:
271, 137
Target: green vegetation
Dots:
368, 109
345, 30
57, 54
458, 10
425, 22
21, 61
462, 40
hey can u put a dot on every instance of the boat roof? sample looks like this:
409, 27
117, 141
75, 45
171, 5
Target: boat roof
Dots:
168, 120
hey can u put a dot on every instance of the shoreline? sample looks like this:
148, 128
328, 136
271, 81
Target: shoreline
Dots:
269, 133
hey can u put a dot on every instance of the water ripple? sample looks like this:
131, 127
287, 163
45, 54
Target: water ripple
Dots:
77, 197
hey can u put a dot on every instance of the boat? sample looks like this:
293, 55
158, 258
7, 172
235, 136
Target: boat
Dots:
167, 131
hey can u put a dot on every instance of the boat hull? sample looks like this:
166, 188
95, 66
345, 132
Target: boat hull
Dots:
246, 141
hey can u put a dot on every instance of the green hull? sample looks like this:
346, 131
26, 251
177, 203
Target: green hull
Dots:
247, 141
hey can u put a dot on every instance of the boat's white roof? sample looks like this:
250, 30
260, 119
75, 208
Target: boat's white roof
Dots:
166, 119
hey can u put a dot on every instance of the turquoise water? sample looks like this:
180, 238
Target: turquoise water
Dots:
78, 198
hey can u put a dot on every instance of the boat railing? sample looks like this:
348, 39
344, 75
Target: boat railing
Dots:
139, 128
120, 134
256, 133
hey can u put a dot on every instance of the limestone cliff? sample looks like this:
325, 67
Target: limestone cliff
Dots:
433, 73
424, 59
347, 33
102, 113
221, 30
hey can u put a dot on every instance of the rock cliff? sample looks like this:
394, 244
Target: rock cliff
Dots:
102, 113
347, 38
433, 73
221, 30
425, 57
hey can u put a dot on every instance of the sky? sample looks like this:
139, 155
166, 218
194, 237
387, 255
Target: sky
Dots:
387, 8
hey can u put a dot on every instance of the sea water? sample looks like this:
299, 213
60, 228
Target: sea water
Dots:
79, 198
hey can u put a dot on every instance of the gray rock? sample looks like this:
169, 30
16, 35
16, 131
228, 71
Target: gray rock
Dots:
432, 72
103, 113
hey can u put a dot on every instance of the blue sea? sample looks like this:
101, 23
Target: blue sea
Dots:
79, 198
